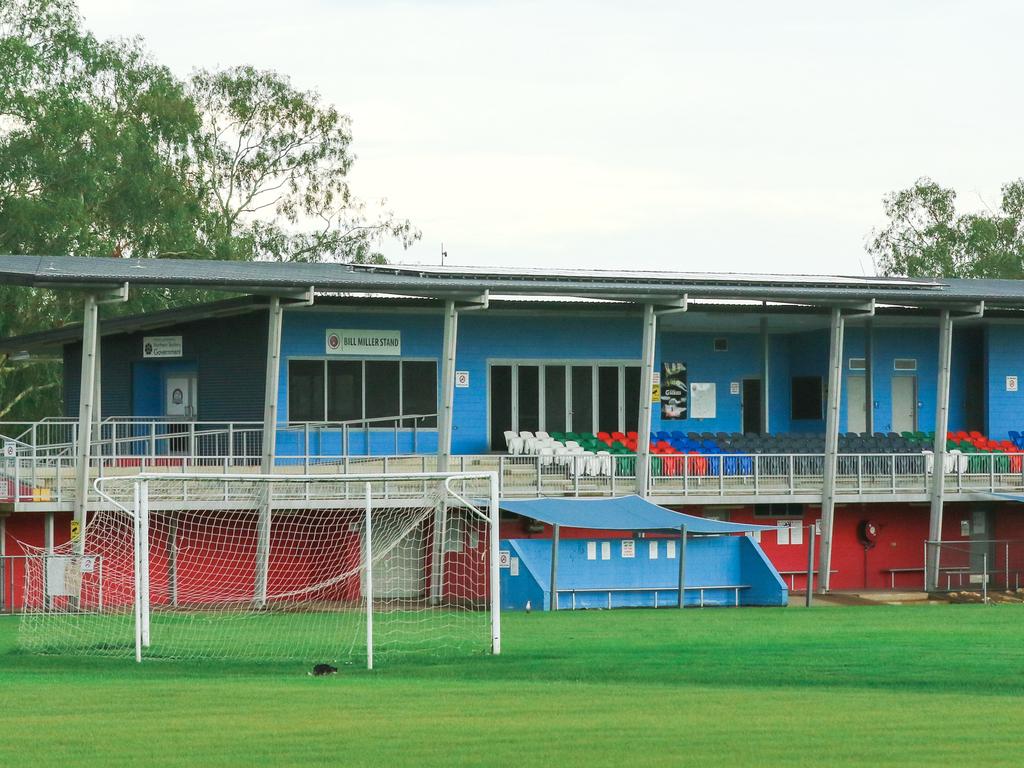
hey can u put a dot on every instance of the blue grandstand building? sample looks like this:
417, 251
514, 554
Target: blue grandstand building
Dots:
884, 411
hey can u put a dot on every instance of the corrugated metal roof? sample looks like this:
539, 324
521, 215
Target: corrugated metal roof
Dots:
84, 272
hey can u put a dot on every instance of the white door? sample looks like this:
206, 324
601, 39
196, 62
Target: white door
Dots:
402, 571
856, 405
180, 396
904, 403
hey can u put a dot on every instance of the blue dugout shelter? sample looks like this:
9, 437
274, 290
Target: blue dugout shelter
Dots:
670, 559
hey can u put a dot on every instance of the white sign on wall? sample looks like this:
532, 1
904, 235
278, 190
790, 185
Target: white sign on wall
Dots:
628, 548
1011, 383
504, 558
734, 387
703, 400
10, 449
161, 346
346, 341
461, 379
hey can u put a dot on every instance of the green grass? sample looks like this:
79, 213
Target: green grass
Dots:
927, 685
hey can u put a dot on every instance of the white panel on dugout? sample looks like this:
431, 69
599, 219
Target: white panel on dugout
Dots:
400, 572
62, 577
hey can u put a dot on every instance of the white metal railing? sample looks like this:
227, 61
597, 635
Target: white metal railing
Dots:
133, 438
51, 478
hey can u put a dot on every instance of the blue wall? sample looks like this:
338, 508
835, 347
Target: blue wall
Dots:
488, 337
1005, 354
710, 561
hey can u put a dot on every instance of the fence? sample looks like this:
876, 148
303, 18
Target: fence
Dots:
977, 565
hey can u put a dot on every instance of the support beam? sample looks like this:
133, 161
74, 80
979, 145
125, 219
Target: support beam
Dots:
554, 567
270, 394
270, 391
765, 370
437, 546
939, 464
86, 402
643, 430
828, 496
444, 420
869, 377
172, 557
682, 567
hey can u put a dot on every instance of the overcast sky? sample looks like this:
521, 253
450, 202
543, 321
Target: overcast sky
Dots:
739, 136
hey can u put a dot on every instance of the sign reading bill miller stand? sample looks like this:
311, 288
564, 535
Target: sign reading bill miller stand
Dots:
344, 341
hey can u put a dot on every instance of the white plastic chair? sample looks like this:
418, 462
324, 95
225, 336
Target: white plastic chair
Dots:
515, 446
541, 435
547, 456
509, 435
604, 463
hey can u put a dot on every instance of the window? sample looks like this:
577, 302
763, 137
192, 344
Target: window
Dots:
306, 390
554, 398
904, 364
529, 397
501, 403
778, 510
352, 390
578, 397
607, 398
419, 390
858, 364
344, 390
806, 402
721, 345
631, 398
382, 391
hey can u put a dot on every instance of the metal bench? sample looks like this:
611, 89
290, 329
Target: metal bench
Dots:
619, 590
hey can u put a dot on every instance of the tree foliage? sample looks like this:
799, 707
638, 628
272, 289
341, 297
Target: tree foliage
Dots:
104, 152
927, 237
273, 165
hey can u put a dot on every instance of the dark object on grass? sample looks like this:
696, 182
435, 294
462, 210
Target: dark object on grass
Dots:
323, 669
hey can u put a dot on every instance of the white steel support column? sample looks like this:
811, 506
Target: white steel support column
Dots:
270, 394
553, 603
828, 495
643, 430
765, 370
86, 402
172, 558
273, 377
938, 467
444, 420
869, 377
437, 545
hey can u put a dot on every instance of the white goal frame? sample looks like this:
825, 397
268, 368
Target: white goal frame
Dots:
140, 521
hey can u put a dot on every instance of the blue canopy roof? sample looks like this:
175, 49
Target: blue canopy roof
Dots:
622, 513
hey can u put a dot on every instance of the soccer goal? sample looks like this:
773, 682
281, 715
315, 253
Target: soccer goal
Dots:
342, 569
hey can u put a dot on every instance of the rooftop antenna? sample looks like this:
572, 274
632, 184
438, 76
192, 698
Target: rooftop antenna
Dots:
444, 253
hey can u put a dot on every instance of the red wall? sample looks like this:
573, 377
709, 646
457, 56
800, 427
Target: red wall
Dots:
298, 557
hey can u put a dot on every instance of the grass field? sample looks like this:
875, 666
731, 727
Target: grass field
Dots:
924, 685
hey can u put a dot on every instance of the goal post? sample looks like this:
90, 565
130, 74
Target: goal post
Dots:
321, 568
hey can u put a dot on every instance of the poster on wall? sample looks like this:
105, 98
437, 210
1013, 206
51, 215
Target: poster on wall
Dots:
674, 391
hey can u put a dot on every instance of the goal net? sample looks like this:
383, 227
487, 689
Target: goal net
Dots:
324, 569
